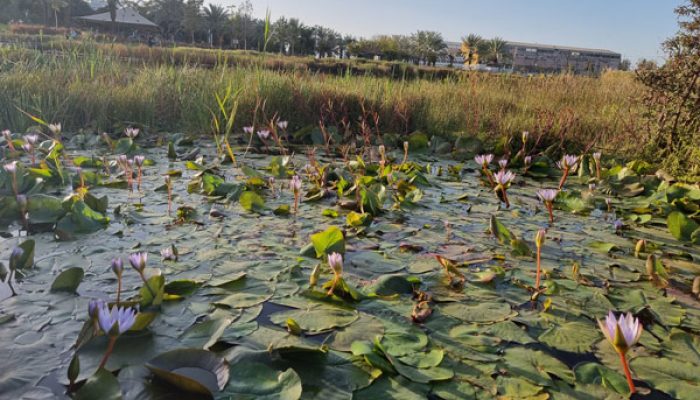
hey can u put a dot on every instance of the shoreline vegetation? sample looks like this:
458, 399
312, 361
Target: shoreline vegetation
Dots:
105, 87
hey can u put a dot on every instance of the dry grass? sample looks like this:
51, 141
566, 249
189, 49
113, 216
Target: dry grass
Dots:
88, 90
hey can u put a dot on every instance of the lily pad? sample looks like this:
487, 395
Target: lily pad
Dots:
196, 371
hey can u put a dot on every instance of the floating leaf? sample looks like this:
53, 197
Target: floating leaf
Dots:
102, 385
256, 381
316, 320
196, 371
480, 313
576, 337
678, 379
252, 202
68, 280
329, 241
536, 366
680, 226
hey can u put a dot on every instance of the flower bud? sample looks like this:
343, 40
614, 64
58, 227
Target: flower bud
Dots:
540, 237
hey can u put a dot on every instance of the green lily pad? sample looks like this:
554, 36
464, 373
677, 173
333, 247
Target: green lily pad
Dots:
68, 280
102, 385
316, 320
577, 337
252, 380
680, 226
536, 366
196, 371
679, 379
486, 312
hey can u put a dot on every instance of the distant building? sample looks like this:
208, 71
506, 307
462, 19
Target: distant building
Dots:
530, 57
544, 58
97, 4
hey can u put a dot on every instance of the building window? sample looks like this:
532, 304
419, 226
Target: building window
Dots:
575, 53
530, 50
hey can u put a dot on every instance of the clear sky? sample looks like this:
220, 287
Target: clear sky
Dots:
634, 28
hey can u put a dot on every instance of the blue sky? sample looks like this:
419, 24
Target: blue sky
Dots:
634, 28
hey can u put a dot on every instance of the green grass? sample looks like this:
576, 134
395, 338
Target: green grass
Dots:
91, 89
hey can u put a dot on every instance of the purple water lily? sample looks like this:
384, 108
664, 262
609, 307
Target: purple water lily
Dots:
138, 261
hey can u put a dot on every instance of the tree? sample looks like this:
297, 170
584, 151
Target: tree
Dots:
672, 97
56, 6
471, 46
192, 20
496, 48
429, 45
113, 6
216, 18
625, 65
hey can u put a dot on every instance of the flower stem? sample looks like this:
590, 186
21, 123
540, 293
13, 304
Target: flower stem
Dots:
110, 348
145, 282
537, 280
551, 214
563, 178
488, 175
119, 289
505, 197
628, 373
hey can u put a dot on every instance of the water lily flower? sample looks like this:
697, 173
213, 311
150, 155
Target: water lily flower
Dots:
11, 168
264, 134
527, 161
618, 225
335, 261
484, 160
296, 188
117, 266
503, 163
525, 136
8, 138
548, 196
539, 242
139, 160
248, 129
503, 180
31, 138
55, 128
622, 333
131, 133
168, 254
138, 261
93, 307
591, 187
117, 320
114, 322
608, 202
596, 157
282, 125
567, 164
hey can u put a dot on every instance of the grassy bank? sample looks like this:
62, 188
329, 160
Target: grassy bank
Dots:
88, 90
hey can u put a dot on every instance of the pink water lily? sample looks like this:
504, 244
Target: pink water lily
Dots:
484, 159
548, 196
296, 188
567, 165
248, 129
31, 138
503, 163
335, 261
622, 333
282, 125
131, 133
503, 180
264, 134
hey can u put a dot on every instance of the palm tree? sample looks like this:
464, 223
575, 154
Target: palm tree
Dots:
471, 45
56, 6
216, 18
496, 48
113, 5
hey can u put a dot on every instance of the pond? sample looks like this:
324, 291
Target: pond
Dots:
435, 297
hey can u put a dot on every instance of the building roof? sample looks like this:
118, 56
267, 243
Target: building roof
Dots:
564, 48
457, 45
125, 15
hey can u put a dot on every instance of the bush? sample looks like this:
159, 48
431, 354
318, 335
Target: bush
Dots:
673, 98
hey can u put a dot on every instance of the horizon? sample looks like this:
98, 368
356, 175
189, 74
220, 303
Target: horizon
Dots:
635, 32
